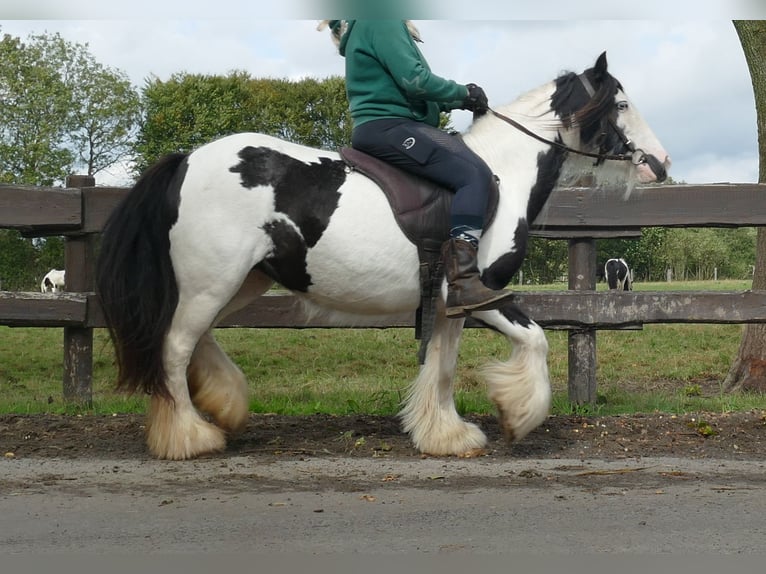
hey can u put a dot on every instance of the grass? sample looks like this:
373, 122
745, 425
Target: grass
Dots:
661, 368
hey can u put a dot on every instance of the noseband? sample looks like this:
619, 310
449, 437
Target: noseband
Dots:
636, 156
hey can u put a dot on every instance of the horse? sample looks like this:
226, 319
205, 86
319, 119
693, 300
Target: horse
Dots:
53, 282
203, 234
618, 275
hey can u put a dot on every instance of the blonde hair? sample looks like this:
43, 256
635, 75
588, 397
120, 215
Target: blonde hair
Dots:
339, 27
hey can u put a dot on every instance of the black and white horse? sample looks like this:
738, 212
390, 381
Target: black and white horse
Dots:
618, 275
203, 234
54, 281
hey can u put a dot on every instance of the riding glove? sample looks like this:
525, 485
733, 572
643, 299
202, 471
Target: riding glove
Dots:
476, 101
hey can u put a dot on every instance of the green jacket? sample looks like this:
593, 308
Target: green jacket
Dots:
388, 77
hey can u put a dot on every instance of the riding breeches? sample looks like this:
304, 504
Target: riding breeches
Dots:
435, 155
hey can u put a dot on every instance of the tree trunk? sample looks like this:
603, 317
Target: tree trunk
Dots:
749, 369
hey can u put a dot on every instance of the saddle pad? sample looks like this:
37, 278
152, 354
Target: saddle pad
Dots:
420, 206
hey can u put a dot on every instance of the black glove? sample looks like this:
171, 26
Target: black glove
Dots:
476, 101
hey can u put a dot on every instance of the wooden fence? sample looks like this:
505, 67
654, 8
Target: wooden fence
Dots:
577, 215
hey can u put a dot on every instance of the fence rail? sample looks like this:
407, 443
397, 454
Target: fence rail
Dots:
578, 215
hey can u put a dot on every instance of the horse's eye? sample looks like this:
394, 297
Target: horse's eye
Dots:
622, 106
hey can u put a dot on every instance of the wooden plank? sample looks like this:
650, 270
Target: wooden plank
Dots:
552, 310
99, 202
29, 309
610, 309
709, 205
43, 210
582, 212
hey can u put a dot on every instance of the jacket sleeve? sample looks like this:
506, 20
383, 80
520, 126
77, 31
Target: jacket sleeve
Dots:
397, 52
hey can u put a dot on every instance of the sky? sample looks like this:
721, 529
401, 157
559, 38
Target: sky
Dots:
686, 75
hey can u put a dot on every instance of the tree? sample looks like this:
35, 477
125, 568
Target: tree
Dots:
34, 107
189, 110
60, 112
104, 124
748, 372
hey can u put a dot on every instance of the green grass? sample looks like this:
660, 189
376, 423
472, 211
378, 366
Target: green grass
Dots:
664, 368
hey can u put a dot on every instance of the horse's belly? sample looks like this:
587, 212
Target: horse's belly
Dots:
363, 263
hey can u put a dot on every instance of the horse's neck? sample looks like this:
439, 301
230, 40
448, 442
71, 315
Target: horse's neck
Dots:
515, 158
507, 150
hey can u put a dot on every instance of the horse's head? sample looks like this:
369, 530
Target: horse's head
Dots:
595, 103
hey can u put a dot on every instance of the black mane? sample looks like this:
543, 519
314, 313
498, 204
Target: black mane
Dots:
576, 107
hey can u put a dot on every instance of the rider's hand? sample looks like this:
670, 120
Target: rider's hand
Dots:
476, 101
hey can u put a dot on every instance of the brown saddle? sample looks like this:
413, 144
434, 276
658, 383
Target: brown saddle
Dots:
422, 210
420, 206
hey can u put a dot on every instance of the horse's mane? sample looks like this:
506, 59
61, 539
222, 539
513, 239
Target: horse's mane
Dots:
567, 100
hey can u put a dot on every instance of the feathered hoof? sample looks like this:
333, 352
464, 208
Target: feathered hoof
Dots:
230, 411
174, 436
458, 440
518, 424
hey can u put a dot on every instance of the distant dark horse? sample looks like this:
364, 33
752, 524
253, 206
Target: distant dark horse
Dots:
204, 234
618, 275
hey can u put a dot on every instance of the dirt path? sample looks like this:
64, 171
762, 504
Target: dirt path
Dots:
338, 485
735, 436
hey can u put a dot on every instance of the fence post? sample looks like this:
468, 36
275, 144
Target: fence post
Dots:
79, 262
582, 342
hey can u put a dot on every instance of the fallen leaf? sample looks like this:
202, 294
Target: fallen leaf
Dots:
473, 453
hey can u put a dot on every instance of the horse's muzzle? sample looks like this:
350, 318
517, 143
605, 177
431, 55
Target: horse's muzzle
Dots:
657, 167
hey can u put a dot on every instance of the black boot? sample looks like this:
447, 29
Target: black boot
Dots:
465, 291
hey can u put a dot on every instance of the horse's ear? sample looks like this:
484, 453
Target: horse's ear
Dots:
600, 68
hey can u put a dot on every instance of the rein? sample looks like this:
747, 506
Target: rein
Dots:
637, 156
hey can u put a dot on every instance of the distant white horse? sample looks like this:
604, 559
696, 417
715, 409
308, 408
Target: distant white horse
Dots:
203, 234
53, 282
618, 275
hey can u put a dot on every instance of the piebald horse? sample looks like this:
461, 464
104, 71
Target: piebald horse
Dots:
203, 234
618, 275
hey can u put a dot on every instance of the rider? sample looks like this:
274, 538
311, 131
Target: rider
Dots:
395, 102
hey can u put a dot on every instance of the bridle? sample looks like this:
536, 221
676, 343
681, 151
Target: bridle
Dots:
636, 156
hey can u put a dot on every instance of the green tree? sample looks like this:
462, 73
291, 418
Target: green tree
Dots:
35, 110
189, 110
748, 372
105, 119
61, 112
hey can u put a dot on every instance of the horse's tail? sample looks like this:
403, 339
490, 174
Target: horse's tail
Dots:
135, 280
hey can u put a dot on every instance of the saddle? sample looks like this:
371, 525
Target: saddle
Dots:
422, 210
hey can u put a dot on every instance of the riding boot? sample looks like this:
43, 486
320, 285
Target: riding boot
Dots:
465, 291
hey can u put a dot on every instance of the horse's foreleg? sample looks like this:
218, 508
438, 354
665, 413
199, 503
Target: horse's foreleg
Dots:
429, 413
519, 387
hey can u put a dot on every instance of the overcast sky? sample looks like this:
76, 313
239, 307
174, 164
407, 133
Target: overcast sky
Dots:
688, 78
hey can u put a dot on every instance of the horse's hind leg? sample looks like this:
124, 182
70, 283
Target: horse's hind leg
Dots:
429, 414
217, 386
175, 430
